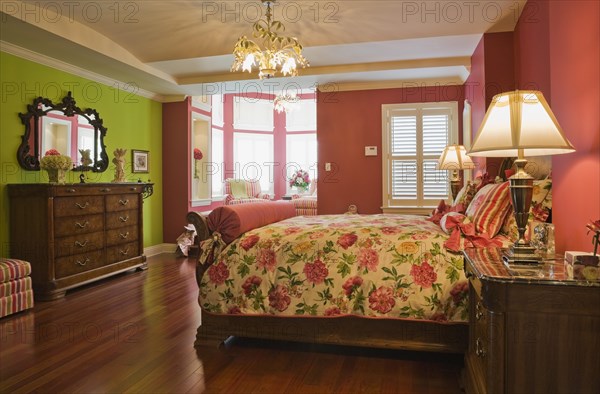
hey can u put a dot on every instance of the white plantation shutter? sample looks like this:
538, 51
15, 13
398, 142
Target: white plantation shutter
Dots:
414, 137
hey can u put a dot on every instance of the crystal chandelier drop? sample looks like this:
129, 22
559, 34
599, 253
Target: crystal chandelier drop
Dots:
287, 102
279, 53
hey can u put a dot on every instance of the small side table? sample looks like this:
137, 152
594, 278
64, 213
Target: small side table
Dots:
530, 331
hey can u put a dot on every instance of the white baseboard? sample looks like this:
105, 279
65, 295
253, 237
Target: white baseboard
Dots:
160, 249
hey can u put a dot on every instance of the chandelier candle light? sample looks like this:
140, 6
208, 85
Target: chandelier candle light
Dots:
279, 53
520, 123
454, 158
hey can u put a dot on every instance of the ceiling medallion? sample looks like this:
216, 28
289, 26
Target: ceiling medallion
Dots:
279, 53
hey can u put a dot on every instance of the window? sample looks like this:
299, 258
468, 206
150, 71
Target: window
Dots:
414, 136
253, 158
301, 154
216, 170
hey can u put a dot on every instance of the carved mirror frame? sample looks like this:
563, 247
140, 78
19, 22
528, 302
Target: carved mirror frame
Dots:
39, 108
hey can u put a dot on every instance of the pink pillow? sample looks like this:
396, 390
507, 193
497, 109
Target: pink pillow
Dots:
231, 221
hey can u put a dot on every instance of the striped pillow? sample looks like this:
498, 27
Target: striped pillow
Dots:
489, 208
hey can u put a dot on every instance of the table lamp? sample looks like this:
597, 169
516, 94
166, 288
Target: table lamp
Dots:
520, 123
454, 158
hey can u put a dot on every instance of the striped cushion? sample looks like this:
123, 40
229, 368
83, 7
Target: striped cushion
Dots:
492, 207
15, 286
13, 269
305, 206
253, 188
236, 201
16, 302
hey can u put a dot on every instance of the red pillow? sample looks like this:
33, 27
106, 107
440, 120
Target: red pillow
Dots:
231, 221
489, 216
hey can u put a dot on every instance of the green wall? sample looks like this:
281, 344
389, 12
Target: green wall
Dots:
133, 122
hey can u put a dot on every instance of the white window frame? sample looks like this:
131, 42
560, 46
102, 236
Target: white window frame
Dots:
418, 205
218, 136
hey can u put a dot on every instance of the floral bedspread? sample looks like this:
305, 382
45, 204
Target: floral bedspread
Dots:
391, 266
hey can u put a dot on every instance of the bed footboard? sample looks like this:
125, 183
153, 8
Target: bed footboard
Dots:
350, 331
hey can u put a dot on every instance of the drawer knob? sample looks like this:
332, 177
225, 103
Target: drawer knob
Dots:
71, 190
81, 245
84, 206
84, 262
123, 219
105, 190
478, 311
479, 350
123, 202
124, 252
124, 236
84, 225
133, 189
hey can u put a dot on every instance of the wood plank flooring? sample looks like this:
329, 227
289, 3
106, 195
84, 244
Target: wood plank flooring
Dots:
134, 333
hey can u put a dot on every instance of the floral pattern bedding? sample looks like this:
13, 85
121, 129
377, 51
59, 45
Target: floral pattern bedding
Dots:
390, 266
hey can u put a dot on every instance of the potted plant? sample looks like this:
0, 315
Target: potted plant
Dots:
56, 165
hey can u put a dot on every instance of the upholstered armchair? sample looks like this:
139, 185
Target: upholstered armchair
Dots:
239, 191
306, 204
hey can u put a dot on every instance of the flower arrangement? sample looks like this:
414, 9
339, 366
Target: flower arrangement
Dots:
300, 180
56, 165
595, 227
197, 157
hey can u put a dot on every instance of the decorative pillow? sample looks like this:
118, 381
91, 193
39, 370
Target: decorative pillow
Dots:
491, 209
477, 200
464, 197
444, 218
231, 221
238, 188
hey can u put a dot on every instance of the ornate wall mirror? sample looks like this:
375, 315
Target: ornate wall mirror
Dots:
66, 128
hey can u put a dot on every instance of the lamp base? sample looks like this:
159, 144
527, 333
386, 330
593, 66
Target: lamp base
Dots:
521, 255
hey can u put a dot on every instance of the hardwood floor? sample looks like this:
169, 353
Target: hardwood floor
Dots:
135, 332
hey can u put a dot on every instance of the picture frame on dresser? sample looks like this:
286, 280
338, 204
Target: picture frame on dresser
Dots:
75, 234
140, 161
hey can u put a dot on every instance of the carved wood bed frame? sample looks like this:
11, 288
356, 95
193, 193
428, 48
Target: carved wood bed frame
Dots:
347, 330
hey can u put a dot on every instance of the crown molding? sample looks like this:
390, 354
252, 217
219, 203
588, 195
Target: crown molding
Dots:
69, 68
374, 85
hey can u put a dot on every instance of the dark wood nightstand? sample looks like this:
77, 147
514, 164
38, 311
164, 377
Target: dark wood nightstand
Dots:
535, 331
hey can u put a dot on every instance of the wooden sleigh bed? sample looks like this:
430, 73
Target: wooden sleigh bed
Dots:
374, 331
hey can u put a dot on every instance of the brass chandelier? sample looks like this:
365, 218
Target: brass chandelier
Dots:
279, 53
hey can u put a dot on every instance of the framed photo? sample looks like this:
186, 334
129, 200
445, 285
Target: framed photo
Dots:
140, 160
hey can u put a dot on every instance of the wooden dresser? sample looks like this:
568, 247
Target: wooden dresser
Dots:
76, 233
534, 331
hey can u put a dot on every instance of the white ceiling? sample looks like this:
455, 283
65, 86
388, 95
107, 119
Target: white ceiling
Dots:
173, 48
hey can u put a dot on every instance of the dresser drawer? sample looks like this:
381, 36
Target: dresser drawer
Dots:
121, 235
122, 252
71, 265
78, 205
73, 225
77, 244
121, 219
121, 202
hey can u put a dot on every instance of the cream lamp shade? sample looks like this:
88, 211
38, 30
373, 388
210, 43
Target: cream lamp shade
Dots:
454, 157
519, 124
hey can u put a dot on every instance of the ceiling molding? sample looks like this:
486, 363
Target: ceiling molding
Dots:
374, 85
80, 72
464, 61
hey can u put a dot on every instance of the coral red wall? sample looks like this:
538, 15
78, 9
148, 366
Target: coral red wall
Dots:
532, 48
492, 72
557, 51
349, 121
575, 79
176, 125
